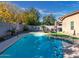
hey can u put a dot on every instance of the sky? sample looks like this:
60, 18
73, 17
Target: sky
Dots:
57, 8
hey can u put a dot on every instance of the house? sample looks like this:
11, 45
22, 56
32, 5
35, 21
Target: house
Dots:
58, 26
70, 24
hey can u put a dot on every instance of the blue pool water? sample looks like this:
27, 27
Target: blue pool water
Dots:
31, 46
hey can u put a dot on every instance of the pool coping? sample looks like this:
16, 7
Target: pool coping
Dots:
5, 44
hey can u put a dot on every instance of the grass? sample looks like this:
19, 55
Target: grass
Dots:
59, 34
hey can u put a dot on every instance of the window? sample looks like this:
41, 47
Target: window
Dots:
72, 25
60, 29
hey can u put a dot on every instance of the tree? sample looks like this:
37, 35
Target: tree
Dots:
33, 17
49, 20
8, 12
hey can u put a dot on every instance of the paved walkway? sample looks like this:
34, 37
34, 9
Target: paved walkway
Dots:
71, 52
5, 44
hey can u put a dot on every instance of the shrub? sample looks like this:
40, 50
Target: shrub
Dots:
25, 29
44, 29
12, 32
2, 39
75, 38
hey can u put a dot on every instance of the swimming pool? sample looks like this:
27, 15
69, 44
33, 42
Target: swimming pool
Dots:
35, 46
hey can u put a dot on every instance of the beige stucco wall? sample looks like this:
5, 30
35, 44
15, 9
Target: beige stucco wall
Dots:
66, 28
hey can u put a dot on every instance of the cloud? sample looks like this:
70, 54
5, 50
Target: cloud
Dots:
60, 13
75, 4
44, 12
56, 14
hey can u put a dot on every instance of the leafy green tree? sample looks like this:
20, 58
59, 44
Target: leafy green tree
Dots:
49, 20
33, 17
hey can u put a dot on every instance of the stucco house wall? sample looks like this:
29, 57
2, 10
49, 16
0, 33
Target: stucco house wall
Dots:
66, 25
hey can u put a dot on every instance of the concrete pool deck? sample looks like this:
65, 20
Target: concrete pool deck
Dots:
71, 52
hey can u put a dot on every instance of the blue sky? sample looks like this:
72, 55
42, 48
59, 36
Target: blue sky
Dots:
57, 8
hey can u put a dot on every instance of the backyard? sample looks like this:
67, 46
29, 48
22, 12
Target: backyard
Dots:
29, 32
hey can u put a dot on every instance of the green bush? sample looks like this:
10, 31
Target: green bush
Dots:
11, 31
25, 29
46, 30
2, 39
75, 38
